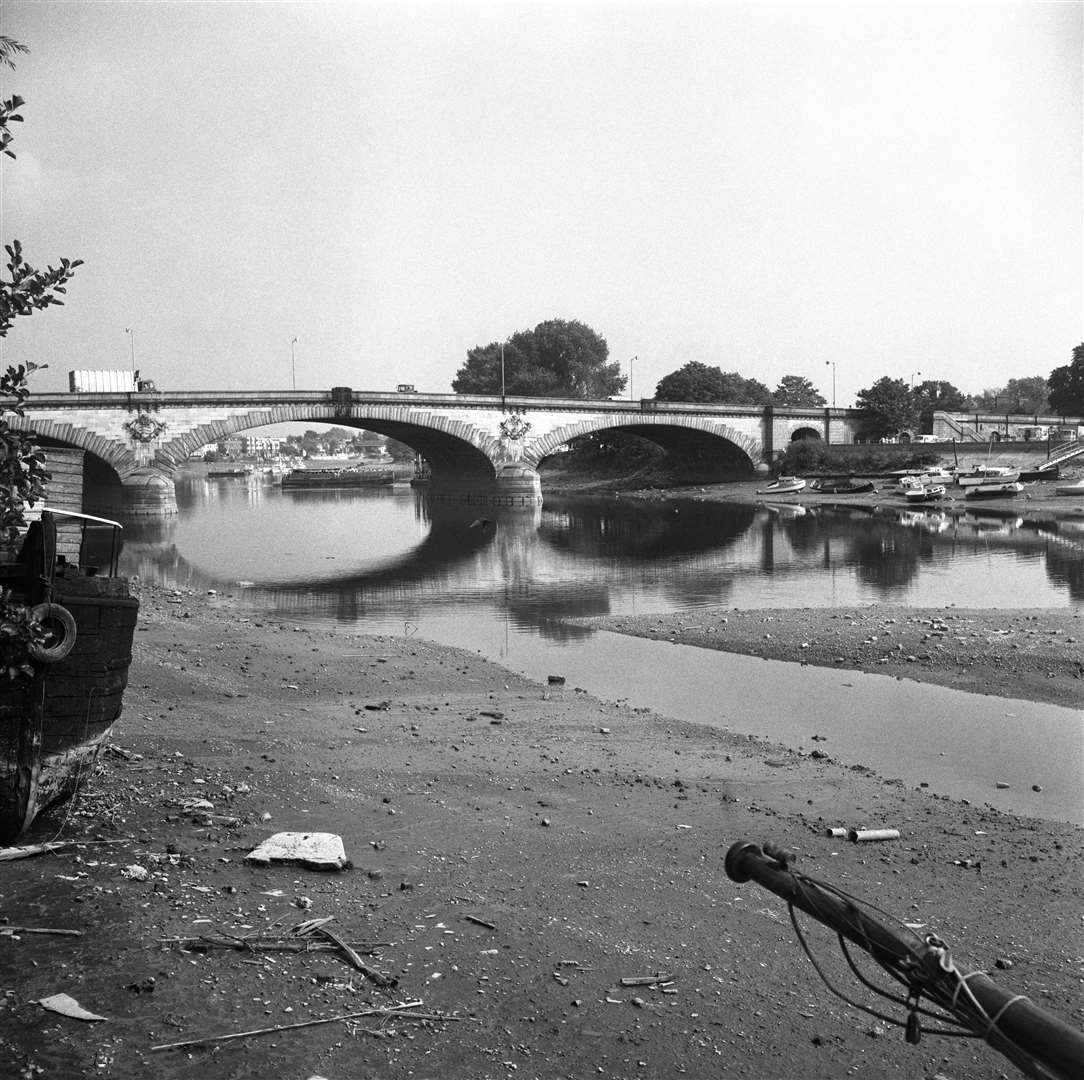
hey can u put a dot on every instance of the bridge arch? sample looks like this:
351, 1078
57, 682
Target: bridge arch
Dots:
681, 436
460, 453
117, 456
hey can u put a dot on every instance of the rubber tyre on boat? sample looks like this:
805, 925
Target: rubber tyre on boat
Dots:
60, 626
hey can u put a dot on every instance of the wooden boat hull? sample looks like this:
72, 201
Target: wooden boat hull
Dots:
975, 479
52, 726
837, 487
1031, 475
994, 490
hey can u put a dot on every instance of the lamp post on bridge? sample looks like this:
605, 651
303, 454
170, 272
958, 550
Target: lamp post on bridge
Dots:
832, 365
131, 333
293, 365
503, 343
631, 360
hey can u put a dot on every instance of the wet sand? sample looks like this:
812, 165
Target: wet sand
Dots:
1033, 655
518, 850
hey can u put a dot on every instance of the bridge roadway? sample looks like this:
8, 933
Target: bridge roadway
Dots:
486, 446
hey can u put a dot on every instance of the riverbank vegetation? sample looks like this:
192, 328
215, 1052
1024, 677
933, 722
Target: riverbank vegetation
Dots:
804, 456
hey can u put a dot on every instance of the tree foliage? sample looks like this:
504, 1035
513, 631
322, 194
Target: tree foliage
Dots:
797, 392
693, 381
22, 465
1066, 385
697, 382
889, 406
936, 395
1027, 395
558, 358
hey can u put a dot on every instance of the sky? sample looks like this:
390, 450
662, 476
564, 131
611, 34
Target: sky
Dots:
837, 191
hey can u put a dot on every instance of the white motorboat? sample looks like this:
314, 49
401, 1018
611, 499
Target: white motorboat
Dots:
987, 474
783, 485
925, 493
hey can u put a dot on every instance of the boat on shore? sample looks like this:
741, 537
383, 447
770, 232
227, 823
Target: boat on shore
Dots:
54, 719
783, 485
1075, 488
838, 486
1043, 472
987, 474
921, 493
991, 490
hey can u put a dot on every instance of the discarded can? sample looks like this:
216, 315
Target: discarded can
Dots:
837, 832
858, 835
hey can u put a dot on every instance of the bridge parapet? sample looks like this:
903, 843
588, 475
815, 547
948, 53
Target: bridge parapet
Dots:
469, 440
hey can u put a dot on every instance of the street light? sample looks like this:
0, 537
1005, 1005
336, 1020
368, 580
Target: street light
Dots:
293, 366
631, 359
913, 374
128, 330
503, 343
832, 365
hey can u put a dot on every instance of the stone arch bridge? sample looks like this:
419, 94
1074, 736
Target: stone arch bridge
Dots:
474, 444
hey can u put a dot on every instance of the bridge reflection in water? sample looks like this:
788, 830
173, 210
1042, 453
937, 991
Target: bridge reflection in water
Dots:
388, 557
503, 582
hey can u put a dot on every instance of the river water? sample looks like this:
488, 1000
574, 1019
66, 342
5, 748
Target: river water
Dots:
503, 582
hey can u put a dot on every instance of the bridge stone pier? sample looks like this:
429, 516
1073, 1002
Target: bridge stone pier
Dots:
479, 446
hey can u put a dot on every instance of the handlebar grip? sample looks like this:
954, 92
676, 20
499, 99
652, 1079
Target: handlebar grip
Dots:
1015, 1021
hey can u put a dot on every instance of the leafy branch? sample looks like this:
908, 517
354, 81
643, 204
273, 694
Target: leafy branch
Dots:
23, 291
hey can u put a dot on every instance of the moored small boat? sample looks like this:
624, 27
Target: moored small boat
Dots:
1043, 472
990, 490
831, 486
239, 472
987, 474
925, 493
783, 485
54, 720
333, 478
1075, 488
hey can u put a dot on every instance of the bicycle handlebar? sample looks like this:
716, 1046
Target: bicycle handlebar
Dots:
1008, 1022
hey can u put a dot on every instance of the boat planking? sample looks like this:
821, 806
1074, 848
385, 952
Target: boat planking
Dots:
54, 722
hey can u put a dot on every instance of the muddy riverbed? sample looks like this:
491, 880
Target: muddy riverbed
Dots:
519, 852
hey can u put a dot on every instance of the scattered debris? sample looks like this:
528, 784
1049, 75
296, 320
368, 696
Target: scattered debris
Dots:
190, 806
859, 835
9, 930
400, 1011
27, 850
317, 851
119, 751
646, 980
298, 938
480, 922
67, 1006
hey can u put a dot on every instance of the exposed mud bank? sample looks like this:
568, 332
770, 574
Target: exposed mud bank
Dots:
518, 851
